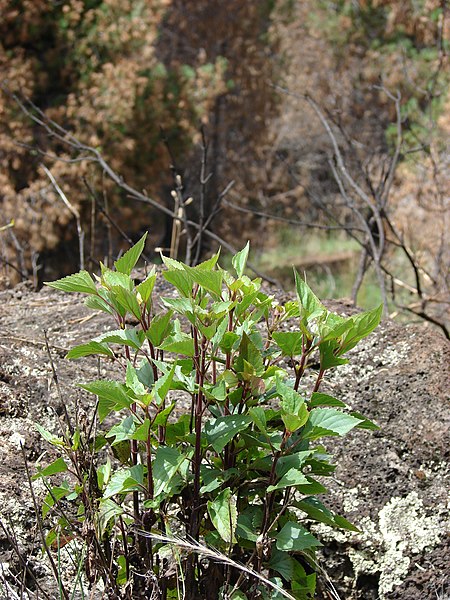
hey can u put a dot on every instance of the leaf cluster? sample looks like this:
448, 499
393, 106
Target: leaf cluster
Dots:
213, 432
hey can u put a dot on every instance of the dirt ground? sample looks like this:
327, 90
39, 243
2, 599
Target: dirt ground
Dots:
393, 484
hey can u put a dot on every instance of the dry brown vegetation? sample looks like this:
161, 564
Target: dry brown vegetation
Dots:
118, 74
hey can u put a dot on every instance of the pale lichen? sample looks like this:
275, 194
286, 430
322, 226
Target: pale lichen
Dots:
403, 530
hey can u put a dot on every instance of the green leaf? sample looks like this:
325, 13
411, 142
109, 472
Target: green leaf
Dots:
329, 421
258, 416
249, 353
222, 430
292, 461
162, 386
145, 289
365, 422
363, 324
295, 537
111, 394
319, 399
88, 349
223, 513
122, 431
172, 264
239, 260
133, 382
49, 437
55, 494
166, 467
294, 410
308, 300
158, 328
141, 432
123, 337
161, 417
107, 510
210, 281
179, 343
57, 466
289, 342
328, 357
79, 282
210, 263
125, 480
182, 281
126, 262
111, 279
128, 300
292, 478
317, 511
97, 303
282, 563
121, 577
211, 479
249, 523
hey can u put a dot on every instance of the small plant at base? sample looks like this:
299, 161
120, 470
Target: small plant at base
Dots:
211, 503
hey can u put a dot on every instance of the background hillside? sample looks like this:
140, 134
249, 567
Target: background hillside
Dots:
330, 118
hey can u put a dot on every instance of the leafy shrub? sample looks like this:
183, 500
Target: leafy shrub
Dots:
217, 462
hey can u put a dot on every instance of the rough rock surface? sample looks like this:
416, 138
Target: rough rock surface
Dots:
392, 483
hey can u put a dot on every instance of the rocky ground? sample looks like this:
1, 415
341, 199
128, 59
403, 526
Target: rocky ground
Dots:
394, 483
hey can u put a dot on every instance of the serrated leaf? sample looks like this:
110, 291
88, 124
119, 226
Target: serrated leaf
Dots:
125, 480
79, 282
222, 430
166, 465
144, 290
126, 262
292, 478
181, 280
162, 386
306, 297
289, 342
49, 437
128, 300
317, 511
171, 263
296, 538
209, 263
161, 418
223, 513
112, 396
328, 357
362, 325
292, 461
97, 303
132, 380
55, 494
282, 563
125, 337
365, 422
57, 466
329, 421
122, 431
159, 327
88, 349
258, 416
107, 510
239, 260
319, 399
210, 281
249, 353
111, 279
180, 343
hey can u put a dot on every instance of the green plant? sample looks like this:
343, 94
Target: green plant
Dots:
217, 466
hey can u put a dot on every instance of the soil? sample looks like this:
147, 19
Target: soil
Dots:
393, 483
